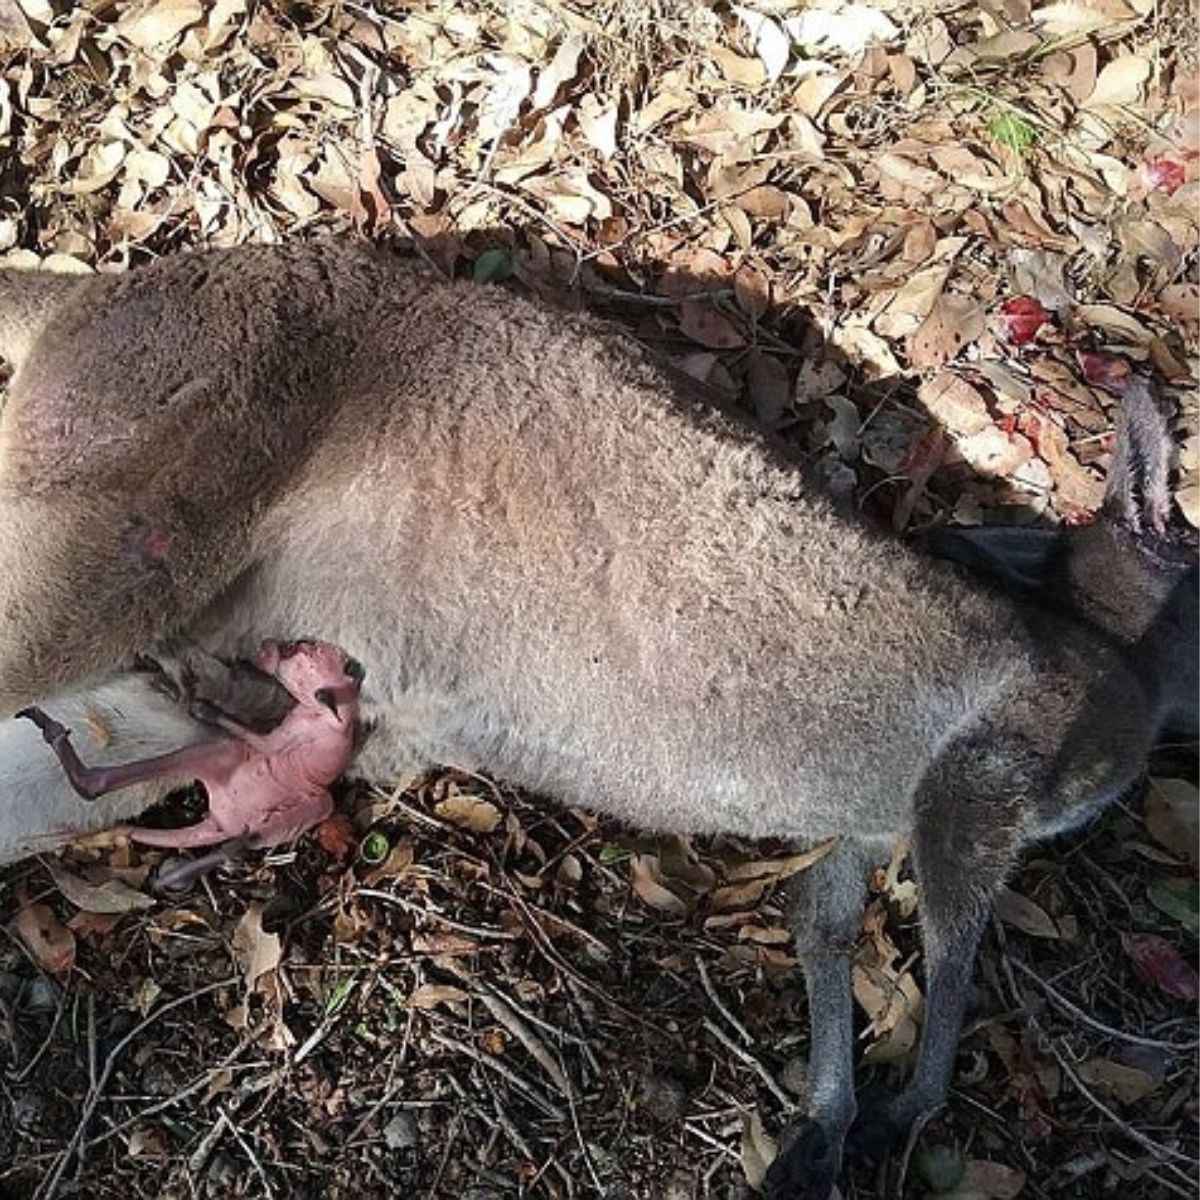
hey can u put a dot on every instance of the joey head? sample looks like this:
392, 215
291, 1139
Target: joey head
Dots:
263, 788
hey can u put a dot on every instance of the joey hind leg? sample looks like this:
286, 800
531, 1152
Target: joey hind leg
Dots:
964, 844
175, 875
828, 903
92, 782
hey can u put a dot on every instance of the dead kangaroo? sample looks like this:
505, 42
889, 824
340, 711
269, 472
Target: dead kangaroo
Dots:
559, 568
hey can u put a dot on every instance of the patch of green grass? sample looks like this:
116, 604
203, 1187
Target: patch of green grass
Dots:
1013, 132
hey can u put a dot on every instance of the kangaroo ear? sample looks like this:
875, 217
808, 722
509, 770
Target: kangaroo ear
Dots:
1020, 559
1137, 495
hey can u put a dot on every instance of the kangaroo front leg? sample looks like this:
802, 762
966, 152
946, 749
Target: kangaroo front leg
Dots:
965, 842
828, 904
92, 782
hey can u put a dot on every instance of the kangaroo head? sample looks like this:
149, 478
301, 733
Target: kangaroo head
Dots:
1132, 574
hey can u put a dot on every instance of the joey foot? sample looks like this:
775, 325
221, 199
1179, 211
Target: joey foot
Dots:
178, 874
807, 1167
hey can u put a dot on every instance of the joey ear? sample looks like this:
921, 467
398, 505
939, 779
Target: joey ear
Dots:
1137, 495
1021, 559
326, 698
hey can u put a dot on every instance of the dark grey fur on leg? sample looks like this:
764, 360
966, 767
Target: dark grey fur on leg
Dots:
965, 842
828, 909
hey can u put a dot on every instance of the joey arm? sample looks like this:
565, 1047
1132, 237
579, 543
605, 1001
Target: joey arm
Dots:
202, 710
92, 782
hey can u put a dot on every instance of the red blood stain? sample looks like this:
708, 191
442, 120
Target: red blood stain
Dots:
1021, 318
155, 544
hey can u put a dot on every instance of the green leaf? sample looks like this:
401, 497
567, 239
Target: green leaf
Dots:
1013, 132
611, 853
375, 847
1178, 898
492, 266
342, 991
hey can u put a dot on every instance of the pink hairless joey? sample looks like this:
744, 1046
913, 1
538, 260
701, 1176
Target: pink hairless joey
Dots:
263, 789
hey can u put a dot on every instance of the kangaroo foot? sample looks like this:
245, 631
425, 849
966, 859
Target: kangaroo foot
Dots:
807, 1168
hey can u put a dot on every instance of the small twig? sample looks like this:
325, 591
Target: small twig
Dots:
504, 1013
1073, 1010
23, 1074
201, 1081
245, 1144
734, 1023
455, 1126
208, 1143
1166, 1154
560, 1035
479, 931
49, 1187
493, 1064
784, 1099
706, 1137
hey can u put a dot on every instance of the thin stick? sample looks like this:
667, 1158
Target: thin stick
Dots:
784, 1099
1163, 1153
518, 1081
1071, 1009
49, 1187
734, 1023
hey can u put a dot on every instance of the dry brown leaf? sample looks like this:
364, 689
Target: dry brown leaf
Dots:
256, 952
765, 203
739, 895
752, 289
150, 25
912, 302
759, 1149
430, 995
111, 896
48, 940
561, 69
1076, 17
1120, 82
469, 812
1075, 486
646, 878
1188, 499
955, 403
1180, 301
893, 1004
702, 323
1172, 816
908, 174
598, 121
779, 868
767, 383
953, 323
1122, 1083
1073, 70
737, 69
1022, 913
984, 1180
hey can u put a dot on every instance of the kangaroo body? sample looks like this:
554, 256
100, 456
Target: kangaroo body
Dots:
558, 567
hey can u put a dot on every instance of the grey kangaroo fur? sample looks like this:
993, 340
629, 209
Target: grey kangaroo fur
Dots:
559, 568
